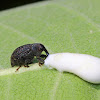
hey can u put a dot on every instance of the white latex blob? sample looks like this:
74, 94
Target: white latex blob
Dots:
85, 66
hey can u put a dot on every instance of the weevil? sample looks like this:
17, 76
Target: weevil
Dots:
24, 55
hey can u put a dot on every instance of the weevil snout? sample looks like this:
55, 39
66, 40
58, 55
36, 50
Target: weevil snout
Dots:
44, 49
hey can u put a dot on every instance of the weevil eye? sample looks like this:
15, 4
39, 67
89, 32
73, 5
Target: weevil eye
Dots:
40, 48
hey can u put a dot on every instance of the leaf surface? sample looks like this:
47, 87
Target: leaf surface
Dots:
62, 26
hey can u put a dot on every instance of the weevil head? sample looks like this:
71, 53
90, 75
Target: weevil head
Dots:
38, 48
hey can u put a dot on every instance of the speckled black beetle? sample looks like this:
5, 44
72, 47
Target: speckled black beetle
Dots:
24, 55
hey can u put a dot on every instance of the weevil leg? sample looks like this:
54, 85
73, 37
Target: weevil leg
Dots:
17, 69
40, 64
43, 56
26, 65
28, 61
41, 61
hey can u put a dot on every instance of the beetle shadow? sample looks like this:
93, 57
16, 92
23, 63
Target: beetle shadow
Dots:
92, 85
34, 61
96, 86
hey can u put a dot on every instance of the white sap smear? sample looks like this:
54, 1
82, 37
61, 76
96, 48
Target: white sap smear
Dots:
85, 66
21, 70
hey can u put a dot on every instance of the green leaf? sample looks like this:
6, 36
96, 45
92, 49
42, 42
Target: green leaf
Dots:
62, 26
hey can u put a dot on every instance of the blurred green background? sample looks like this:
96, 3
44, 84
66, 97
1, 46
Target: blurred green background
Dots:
62, 26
